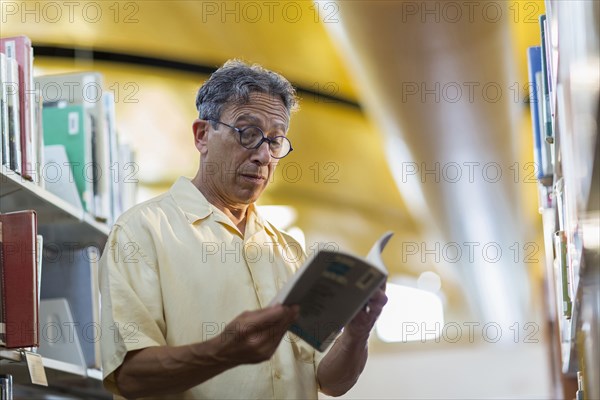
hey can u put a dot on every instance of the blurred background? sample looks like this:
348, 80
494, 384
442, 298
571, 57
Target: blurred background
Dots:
414, 118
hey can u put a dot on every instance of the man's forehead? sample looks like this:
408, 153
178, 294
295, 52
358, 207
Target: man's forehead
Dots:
255, 98
247, 110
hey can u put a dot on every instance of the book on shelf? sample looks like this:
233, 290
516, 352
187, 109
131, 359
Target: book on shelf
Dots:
6, 387
331, 288
19, 279
39, 248
69, 126
563, 286
4, 140
61, 183
73, 275
59, 341
84, 89
546, 109
39, 143
541, 152
19, 48
108, 99
13, 134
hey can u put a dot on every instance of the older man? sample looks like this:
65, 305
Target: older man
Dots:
187, 277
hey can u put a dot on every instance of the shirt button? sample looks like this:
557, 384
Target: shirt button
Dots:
277, 375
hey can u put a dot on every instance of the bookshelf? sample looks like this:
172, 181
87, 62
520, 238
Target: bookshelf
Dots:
61, 224
568, 104
68, 273
62, 377
57, 219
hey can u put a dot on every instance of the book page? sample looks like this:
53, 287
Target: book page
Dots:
331, 289
374, 256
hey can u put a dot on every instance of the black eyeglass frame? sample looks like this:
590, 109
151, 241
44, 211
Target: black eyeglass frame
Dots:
265, 138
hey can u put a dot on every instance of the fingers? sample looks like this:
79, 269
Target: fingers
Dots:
254, 336
276, 319
378, 301
364, 321
277, 314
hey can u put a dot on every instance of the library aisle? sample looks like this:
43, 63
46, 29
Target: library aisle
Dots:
467, 128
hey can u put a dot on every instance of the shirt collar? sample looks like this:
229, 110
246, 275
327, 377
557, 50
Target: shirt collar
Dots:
190, 200
195, 206
253, 216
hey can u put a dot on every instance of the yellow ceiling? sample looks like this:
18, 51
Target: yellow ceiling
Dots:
285, 36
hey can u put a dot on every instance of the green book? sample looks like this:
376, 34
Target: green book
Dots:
68, 125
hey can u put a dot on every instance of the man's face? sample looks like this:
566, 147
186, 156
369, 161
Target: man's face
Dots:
235, 174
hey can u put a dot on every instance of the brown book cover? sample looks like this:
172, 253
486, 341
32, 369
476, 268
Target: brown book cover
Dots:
19, 48
19, 326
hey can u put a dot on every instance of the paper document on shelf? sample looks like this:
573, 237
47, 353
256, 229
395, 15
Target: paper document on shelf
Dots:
64, 186
331, 288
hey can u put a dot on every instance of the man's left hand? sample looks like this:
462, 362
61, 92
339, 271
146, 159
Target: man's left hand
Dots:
340, 368
361, 325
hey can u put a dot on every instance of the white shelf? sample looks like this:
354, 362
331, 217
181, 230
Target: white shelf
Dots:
94, 374
75, 379
58, 220
14, 358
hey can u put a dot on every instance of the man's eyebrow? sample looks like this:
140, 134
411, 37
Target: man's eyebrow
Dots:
247, 117
256, 121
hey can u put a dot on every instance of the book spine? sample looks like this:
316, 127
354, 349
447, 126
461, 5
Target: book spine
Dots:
19, 279
545, 84
19, 49
101, 152
540, 152
4, 111
14, 122
3, 304
39, 134
6, 390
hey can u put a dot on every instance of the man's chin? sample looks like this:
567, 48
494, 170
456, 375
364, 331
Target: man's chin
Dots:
249, 196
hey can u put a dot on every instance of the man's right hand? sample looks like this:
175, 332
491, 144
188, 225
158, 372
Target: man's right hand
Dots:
253, 336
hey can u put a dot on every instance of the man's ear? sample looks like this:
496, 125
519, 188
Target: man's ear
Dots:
200, 129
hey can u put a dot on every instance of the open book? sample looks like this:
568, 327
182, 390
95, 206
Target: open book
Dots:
331, 288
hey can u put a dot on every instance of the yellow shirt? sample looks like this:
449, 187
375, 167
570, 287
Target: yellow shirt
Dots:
176, 270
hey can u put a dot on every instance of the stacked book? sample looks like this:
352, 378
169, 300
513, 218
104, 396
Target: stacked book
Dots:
59, 131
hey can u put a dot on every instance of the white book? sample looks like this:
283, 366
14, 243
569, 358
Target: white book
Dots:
14, 121
76, 280
331, 288
94, 257
108, 99
38, 135
5, 150
63, 185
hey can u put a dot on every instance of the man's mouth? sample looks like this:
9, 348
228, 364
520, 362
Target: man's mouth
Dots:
254, 177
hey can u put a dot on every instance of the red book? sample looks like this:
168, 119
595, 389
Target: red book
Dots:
18, 280
19, 48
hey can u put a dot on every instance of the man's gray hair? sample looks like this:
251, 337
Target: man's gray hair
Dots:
235, 81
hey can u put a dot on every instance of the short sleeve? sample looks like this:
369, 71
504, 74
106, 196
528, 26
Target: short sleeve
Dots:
131, 301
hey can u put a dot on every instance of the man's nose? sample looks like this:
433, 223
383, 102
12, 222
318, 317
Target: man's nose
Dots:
262, 153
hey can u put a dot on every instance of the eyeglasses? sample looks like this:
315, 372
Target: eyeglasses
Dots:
252, 137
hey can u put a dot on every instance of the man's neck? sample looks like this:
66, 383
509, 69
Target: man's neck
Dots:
236, 213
